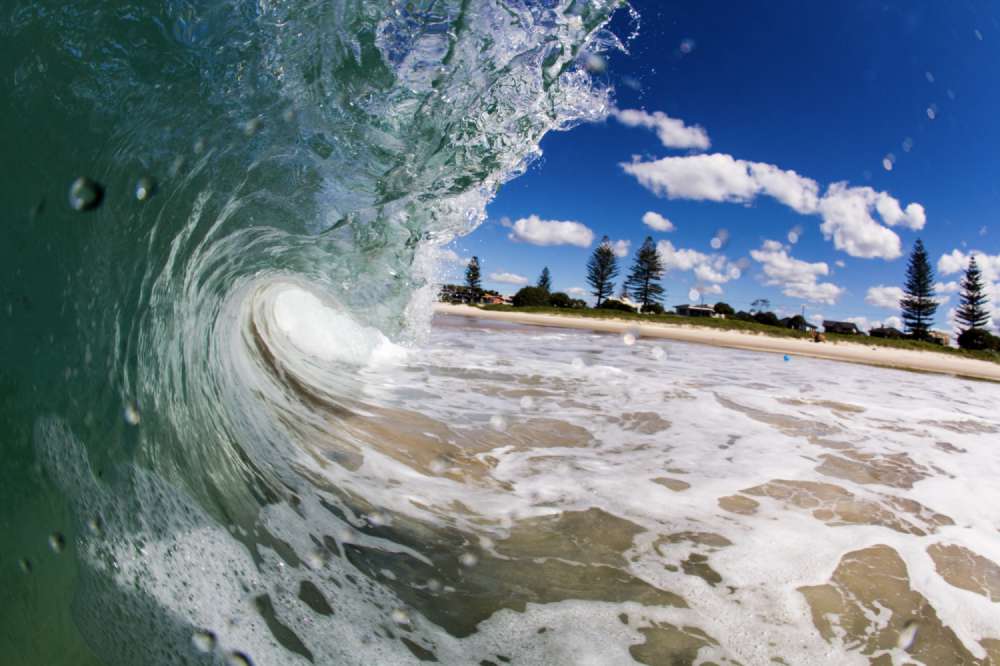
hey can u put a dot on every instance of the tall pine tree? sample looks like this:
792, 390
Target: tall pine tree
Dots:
602, 267
971, 312
545, 280
643, 282
472, 278
918, 303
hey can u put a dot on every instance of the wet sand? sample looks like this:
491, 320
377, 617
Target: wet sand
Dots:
905, 359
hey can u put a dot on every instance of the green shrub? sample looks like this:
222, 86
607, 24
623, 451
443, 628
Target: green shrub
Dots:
652, 308
767, 318
978, 339
578, 304
724, 309
560, 299
528, 296
612, 304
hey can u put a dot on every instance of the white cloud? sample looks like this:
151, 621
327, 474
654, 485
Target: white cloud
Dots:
508, 278
846, 212
673, 133
867, 325
536, 231
621, 247
710, 268
657, 222
449, 256
947, 287
883, 296
578, 292
797, 278
893, 322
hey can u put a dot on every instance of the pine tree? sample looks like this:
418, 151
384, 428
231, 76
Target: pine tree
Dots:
971, 312
601, 271
545, 280
472, 278
918, 303
643, 280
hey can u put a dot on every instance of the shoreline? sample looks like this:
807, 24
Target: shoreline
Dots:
848, 352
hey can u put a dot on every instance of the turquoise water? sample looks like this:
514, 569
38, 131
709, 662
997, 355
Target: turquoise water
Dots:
230, 148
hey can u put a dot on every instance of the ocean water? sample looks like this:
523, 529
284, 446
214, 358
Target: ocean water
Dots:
230, 433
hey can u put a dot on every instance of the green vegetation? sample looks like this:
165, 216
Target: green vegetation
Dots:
545, 280
473, 280
918, 304
602, 267
643, 282
748, 327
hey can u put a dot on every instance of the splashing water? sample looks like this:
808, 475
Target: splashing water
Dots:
265, 185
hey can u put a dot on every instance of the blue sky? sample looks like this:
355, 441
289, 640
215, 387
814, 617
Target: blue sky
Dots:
834, 92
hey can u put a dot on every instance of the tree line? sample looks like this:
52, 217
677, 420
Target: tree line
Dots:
918, 305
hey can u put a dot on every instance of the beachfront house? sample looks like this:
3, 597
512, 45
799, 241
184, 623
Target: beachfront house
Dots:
940, 337
886, 332
694, 310
841, 327
798, 323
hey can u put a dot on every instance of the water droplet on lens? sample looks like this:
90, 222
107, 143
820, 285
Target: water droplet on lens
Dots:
929, 76
251, 126
433, 585
176, 166
378, 519
498, 422
131, 414
887, 164
238, 659
438, 465
931, 112
57, 542
687, 46
145, 187
716, 243
907, 144
468, 560
596, 64
315, 559
907, 635
527, 402
401, 617
694, 295
578, 363
203, 641
288, 115
94, 526
24, 565
199, 146
85, 194
658, 353
628, 338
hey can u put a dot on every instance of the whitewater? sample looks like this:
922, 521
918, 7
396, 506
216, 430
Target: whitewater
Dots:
233, 433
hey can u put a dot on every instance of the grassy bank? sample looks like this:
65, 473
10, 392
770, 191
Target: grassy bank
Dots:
747, 327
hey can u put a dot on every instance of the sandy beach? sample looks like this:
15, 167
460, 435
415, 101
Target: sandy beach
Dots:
849, 352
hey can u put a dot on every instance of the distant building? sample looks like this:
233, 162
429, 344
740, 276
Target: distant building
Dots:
494, 299
842, 327
694, 310
886, 332
626, 300
798, 323
940, 337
